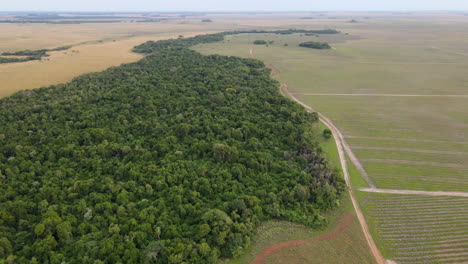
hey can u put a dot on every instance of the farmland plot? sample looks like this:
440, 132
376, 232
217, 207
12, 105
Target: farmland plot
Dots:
421, 229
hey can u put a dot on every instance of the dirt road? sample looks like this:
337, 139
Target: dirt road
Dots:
342, 147
344, 223
387, 95
415, 192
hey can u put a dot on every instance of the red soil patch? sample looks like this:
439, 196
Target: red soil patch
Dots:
344, 223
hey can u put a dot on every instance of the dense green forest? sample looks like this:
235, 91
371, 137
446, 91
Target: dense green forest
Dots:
174, 159
315, 45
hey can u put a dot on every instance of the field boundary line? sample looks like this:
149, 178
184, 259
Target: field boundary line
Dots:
389, 95
411, 150
408, 139
411, 162
415, 192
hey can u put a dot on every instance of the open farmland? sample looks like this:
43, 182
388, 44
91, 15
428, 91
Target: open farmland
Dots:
397, 89
421, 229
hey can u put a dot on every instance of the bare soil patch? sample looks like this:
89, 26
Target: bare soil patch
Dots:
344, 223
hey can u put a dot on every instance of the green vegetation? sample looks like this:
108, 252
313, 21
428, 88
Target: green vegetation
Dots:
28, 54
327, 133
315, 45
151, 46
59, 22
207, 20
260, 42
418, 228
160, 161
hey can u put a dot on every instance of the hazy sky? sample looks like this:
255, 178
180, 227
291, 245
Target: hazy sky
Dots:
230, 5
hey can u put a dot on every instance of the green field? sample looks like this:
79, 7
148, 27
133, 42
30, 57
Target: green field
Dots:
397, 90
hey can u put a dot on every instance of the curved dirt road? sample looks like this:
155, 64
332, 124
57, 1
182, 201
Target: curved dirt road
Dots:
342, 146
344, 223
416, 192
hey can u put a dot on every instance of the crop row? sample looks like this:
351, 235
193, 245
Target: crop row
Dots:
421, 229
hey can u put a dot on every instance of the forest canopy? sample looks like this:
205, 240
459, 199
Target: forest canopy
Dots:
315, 45
174, 159
28, 55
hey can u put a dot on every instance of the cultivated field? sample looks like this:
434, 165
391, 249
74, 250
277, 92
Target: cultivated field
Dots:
421, 229
397, 89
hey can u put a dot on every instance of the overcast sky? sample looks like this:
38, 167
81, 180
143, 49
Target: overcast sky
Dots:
231, 5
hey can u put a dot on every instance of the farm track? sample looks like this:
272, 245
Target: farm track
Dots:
415, 192
445, 181
344, 223
342, 148
439, 164
386, 95
439, 228
411, 150
409, 139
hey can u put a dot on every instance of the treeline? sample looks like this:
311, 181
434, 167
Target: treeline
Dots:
58, 21
29, 54
173, 159
260, 42
151, 46
315, 45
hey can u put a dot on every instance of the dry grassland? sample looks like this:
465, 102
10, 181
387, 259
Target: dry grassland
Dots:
63, 66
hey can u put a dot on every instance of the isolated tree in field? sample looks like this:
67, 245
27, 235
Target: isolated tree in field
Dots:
260, 42
327, 133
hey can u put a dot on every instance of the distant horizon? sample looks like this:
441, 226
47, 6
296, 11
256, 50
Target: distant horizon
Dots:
216, 6
235, 12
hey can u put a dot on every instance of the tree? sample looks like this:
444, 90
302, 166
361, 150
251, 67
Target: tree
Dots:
327, 133
260, 42
5, 247
315, 45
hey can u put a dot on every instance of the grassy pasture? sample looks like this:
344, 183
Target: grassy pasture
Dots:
348, 247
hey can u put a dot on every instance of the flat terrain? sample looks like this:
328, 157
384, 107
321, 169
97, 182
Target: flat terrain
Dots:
397, 89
